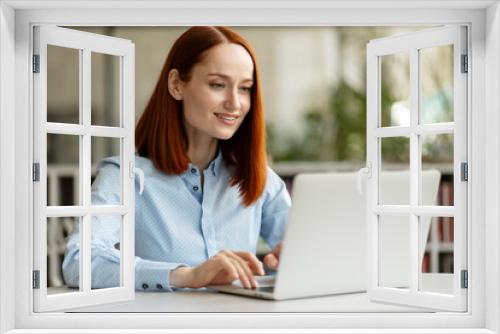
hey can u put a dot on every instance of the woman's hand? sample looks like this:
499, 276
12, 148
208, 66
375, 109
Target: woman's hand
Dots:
222, 268
272, 259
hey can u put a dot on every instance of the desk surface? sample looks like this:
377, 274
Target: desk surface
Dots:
211, 301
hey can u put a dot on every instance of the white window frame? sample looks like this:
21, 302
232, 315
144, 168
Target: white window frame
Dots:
411, 44
16, 19
85, 44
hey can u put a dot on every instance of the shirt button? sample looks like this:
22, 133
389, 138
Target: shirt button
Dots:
145, 286
159, 286
193, 170
195, 188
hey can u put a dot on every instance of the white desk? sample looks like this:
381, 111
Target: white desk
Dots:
211, 301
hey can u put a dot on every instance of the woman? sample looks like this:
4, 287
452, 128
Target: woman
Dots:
208, 192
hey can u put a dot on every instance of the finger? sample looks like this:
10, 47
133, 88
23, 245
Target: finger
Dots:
245, 269
245, 280
277, 250
271, 261
253, 262
226, 265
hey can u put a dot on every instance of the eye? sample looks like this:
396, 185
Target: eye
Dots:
246, 89
217, 85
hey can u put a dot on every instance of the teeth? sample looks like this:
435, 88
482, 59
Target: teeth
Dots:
226, 118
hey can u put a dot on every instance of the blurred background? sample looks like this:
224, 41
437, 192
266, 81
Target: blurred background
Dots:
314, 91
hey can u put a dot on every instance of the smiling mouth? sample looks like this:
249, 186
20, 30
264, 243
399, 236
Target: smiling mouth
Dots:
226, 117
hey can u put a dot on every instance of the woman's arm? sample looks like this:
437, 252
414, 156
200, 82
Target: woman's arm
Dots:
149, 275
105, 253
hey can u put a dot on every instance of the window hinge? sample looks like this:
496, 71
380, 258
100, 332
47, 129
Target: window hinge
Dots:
36, 63
36, 172
464, 169
464, 279
465, 64
36, 279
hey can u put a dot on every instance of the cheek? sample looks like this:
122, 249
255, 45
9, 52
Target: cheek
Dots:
246, 104
199, 105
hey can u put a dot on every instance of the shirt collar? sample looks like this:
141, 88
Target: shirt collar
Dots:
214, 166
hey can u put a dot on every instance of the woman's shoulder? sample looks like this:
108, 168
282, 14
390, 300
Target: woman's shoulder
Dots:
275, 192
274, 183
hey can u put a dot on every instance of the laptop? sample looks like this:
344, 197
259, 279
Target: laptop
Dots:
325, 245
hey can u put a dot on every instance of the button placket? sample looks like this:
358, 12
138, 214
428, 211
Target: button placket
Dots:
194, 179
207, 222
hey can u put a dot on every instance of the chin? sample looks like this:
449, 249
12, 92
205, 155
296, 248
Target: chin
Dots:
224, 132
224, 136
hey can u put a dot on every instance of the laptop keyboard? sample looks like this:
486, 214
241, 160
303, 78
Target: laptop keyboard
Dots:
265, 289
262, 281
265, 281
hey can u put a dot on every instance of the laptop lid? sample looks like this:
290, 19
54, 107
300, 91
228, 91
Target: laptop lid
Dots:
324, 250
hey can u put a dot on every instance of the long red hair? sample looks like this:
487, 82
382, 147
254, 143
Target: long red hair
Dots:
160, 136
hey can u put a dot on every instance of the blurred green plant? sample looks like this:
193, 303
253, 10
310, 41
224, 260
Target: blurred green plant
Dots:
337, 133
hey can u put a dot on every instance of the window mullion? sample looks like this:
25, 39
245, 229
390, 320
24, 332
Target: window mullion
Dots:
85, 80
127, 121
414, 170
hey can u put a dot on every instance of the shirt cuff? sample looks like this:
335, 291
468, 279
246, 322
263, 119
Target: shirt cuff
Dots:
154, 275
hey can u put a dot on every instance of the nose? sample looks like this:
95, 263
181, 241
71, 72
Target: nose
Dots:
232, 100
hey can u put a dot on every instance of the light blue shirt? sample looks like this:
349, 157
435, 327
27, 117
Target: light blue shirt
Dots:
176, 223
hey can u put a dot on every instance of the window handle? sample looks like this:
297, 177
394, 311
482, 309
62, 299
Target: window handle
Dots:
359, 179
140, 173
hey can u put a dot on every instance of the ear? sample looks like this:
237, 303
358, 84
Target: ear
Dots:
175, 84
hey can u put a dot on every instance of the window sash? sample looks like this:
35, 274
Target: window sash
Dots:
411, 44
85, 43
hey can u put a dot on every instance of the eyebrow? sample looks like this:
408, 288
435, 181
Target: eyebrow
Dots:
226, 76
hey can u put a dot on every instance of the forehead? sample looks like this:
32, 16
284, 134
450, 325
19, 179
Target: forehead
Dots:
229, 59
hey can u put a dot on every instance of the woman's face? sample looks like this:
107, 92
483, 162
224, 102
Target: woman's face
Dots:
218, 94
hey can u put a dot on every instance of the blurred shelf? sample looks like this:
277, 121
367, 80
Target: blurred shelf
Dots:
292, 168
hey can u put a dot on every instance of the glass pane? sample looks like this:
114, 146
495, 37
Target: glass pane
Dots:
395, 90
394, 251
436, 84
63, 174
62, 277
395, 171
437, 261
105, 251
63, 84
437, 154
110, 148
105, 90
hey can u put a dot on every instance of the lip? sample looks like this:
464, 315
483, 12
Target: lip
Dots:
227, 115
229, 119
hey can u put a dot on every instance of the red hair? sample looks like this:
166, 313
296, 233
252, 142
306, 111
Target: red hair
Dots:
160, 136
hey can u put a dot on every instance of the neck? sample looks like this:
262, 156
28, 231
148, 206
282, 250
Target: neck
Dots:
201, 151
